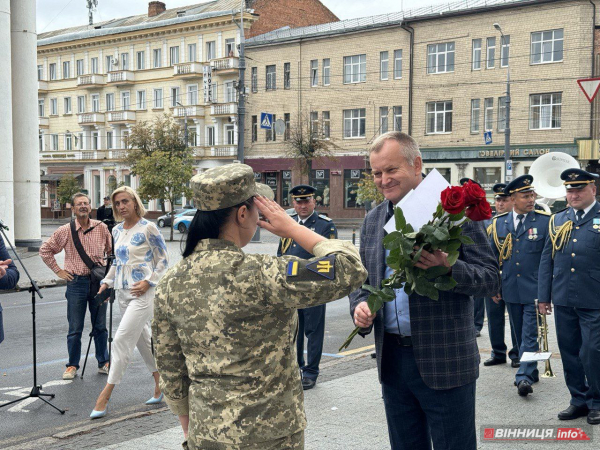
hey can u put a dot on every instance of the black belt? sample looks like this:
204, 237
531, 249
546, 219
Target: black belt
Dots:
402, 341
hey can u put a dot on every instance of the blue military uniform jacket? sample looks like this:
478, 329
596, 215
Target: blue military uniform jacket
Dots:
520, 270
572, 277
320, 224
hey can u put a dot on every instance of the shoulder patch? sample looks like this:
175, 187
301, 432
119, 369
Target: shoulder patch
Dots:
318, 270
322, 216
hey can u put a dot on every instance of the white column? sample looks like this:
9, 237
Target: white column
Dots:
45, 74
86, 63
25, 124
165, 55
100, 62
148, 56
219, 44
131, 58
59, 74
182, 53
200, 49
6, 133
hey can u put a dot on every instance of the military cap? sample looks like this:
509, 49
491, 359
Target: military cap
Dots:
498, 190
302, 191
465, 180
577, 178
520, 184
226, 186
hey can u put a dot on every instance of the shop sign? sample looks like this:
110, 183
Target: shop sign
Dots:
320, 174
516, 153
287, 174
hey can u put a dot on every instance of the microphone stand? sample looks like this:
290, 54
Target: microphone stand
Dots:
36, 391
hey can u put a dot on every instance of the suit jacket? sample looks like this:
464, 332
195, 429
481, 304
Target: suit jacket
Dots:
520, 271
572, 277
443, 334
322, 225
8, 281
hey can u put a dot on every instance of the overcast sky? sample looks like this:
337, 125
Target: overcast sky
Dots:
56, 14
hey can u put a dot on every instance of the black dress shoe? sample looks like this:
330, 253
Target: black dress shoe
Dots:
594, 417
524, 388
478, 334
515, 363
308, 383
494, 361
573, 412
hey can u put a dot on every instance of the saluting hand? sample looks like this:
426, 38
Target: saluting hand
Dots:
276, 220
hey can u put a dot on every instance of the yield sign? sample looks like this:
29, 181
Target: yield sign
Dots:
590, 87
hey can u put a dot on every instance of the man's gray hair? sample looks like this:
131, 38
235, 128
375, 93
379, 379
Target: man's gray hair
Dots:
80, 194
408, 146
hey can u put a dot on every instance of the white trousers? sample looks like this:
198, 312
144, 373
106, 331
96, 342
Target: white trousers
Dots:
134, 330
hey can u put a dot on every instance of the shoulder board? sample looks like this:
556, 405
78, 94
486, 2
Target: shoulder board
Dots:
328, 219
500, 215
562, 210
543, 213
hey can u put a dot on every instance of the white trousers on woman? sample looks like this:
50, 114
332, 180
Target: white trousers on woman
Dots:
134, 330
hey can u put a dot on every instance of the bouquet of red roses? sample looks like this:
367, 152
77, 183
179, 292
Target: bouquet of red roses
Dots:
443, 232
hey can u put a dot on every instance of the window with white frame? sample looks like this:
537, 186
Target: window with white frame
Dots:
110, 102
158, 98
384, 62
439, 117
314, 124
140, 60
192, 52
109, 140
211, 50
354, 123
94, 64
314, 72
270, 133
286, 75
40, 72
210, 136
67, 106
230, 96
68, 142
192, 94
326, 117
501, 114
254, 79
157, 58
254, 128
230, 47
476, 54
488, 114
547, 46
95, 102
52, 69
125, 100
41, 109
440, 57
124, 61
475, 112
80, 104
79, 141
383, 119
355, 69
174, 55
175, 96
53, 106
54, 142
95, 141
545, 111
229, 132
491, 53
397, 118
271, 84
80, 67
66, 69
141, 99
288, 129
397, 64
326, 72
505, 50
193, 136
109, 64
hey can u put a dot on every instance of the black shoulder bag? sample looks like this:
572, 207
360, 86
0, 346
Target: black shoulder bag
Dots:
97, 272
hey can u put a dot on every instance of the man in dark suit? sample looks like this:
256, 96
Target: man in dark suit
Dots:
311, 321
570, 277
427, 355
9, 276
518, 240
105, 212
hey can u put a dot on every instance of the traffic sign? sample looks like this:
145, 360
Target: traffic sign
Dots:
509, 167
590, 87
487, 136
266, 121
279, 126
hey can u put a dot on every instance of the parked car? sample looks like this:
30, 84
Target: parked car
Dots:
183, 220
165, 221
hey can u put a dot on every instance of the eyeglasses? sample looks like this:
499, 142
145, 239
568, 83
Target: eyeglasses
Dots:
82, 204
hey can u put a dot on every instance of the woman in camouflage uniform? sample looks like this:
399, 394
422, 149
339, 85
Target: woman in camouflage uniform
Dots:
225, 322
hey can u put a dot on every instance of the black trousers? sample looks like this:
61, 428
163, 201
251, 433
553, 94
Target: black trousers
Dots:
496, 326
311, 323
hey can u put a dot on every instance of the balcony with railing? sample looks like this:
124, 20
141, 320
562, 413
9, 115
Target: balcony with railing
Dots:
121, 117
91, 81
223, 109
73, 155
43, 123
42, 86
188, 70
223, 150
121, 78
191, 112
229, 64
91, 118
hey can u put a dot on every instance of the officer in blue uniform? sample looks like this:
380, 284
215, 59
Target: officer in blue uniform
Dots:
311, 321
496, 311
570, 278
518, 240
478, 302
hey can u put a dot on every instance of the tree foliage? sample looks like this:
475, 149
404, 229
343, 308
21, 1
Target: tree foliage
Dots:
67, 188
367, 190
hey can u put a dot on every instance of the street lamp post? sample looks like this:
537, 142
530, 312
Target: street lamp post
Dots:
185, 126
507, 178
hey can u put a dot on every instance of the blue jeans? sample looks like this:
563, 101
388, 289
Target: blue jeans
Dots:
78, 299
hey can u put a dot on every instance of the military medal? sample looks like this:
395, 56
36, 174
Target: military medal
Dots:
596, 224
532, 233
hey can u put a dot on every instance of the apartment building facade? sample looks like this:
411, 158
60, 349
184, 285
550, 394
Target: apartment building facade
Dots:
438, 74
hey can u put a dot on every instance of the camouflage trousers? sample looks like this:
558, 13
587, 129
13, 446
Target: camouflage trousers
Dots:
293, 442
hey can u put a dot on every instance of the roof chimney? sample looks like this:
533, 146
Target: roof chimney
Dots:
156, 8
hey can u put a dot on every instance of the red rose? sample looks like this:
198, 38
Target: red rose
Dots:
453, 199
480, 211
473, 193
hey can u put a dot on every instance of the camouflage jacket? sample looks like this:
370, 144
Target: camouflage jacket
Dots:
224, 329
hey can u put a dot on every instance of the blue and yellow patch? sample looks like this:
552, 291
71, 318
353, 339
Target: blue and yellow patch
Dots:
292, 269
312, 270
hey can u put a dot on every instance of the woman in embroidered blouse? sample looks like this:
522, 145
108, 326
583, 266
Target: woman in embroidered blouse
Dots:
140, 262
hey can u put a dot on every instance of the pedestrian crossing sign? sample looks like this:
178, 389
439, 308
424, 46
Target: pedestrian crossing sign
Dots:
266, 121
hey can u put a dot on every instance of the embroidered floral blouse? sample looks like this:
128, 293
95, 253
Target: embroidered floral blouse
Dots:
140, 254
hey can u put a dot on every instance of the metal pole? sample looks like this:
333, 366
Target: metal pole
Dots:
241, 94
507, 178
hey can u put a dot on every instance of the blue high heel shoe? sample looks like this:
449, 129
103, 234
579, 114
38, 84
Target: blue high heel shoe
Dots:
98, 414
155, 401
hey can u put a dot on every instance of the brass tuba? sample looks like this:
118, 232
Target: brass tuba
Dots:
546, 171
542, 327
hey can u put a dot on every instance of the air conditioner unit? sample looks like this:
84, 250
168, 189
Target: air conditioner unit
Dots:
115, 61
